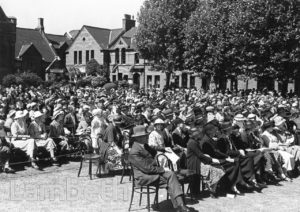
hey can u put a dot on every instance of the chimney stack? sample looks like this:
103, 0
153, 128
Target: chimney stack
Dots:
128, 23
13, 20
40, 26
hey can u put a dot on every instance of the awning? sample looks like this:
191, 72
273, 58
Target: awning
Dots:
136, 68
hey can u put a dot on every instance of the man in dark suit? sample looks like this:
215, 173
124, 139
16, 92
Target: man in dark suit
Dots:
146, 171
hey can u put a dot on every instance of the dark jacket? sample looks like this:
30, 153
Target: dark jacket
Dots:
179, 138
195, 156
145, 167
209, 147
227, 147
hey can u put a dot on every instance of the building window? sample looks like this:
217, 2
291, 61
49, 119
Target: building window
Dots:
157, 81
184, 79
87, 56
114, 78
125, 77
192, 81
120, 76
136, 58
123, 56
80, 57
117, 56
177, 81
92, 54
149, 81
75, 57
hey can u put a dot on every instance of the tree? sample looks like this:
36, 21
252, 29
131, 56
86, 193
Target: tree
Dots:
160, 33
93, 68
229, 38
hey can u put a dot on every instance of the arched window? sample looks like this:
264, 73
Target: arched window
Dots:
123, 56
117, 56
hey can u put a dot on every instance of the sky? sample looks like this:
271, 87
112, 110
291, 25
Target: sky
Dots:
62, 16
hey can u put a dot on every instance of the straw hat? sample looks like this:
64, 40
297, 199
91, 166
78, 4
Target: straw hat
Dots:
57, 113
96, 112
19, 114
37, 114
159, 121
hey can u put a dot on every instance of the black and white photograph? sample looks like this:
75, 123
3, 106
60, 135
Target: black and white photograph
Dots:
149, 105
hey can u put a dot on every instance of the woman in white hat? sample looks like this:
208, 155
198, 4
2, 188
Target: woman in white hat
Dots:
98, 127
21, 138
37, 131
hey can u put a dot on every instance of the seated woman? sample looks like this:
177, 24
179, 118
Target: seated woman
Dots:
37, 131
203, 165
5, 152
98, 127
21, 139
275, 162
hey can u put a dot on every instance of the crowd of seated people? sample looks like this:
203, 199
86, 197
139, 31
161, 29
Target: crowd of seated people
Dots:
233, 140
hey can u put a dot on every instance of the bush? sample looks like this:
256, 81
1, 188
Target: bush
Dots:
84, 81
99, 81
123, 83
30, 79
9, 80
135, 87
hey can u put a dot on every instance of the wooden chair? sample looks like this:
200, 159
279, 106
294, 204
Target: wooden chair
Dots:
90, 158
150, 189
183, 178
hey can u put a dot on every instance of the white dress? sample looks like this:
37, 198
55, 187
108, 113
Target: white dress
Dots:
289, 160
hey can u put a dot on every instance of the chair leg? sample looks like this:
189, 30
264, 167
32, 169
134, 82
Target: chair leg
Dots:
80, 167
141, 194
132, 194
148, 199
183, 193
129, 171
90, 169
123, 172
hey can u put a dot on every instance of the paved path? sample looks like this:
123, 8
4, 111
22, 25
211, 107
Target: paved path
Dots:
59, 189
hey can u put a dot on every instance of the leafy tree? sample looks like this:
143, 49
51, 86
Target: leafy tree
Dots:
93, 68
160, 32
98, 81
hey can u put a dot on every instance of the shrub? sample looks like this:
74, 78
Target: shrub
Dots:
99, 81
9, 80
30, 79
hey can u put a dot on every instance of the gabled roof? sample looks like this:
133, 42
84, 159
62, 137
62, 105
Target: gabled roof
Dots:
101, 35
130, 33
27, 47
114, 34
27, 36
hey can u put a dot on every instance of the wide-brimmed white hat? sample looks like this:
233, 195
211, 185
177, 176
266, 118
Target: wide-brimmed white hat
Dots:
239, 117
96, 112
57, 113
19, 114
37, 114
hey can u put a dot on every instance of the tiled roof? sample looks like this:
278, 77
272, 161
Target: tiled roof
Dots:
28, 36
115, 33
73, 33
101, 35
130, 33
57, 40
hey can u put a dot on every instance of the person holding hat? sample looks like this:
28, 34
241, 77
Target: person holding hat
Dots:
37, 130
146, 171
21, 139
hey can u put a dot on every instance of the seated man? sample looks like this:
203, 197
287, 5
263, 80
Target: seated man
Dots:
147, 172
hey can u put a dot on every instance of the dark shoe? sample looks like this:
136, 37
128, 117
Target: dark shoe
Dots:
182, 208
9, 170
247, 186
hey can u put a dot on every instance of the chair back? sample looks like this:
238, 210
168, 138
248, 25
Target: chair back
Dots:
163, 161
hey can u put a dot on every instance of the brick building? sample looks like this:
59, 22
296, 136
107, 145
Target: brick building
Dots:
7, 43
39, 52
116, 49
